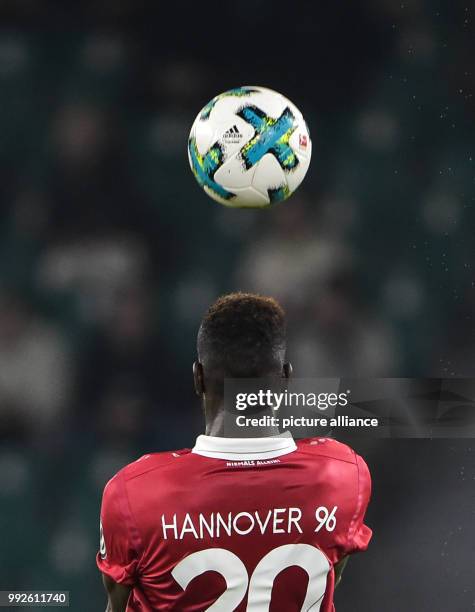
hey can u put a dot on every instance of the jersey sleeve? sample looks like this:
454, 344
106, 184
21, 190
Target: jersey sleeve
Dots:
360, 534
118, 555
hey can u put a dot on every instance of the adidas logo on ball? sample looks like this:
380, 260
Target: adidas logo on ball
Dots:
232, 135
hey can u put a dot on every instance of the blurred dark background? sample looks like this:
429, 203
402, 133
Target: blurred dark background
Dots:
110, 253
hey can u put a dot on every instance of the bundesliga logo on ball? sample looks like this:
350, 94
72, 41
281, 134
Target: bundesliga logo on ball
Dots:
249, 148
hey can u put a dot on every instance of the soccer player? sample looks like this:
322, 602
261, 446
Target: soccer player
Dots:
257, 523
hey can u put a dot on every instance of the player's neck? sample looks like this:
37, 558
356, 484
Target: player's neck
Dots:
222, 425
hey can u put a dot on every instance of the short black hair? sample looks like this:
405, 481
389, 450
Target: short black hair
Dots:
242, 335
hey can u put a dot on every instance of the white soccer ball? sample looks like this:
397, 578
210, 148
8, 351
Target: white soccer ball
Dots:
249, 147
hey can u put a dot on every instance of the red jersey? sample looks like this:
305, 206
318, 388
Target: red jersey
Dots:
253, 524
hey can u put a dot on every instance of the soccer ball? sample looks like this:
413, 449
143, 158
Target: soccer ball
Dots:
249, 147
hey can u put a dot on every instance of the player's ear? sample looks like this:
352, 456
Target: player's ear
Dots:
198, 379
287, 370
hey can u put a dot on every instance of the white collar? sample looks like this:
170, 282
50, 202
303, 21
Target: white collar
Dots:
239, 449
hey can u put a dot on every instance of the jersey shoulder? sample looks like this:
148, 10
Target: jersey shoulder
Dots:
327, 447
150, 462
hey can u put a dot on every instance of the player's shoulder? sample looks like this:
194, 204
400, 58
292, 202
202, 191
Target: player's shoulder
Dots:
327, 447
148, 463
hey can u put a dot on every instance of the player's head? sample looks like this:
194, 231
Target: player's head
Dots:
242, 335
